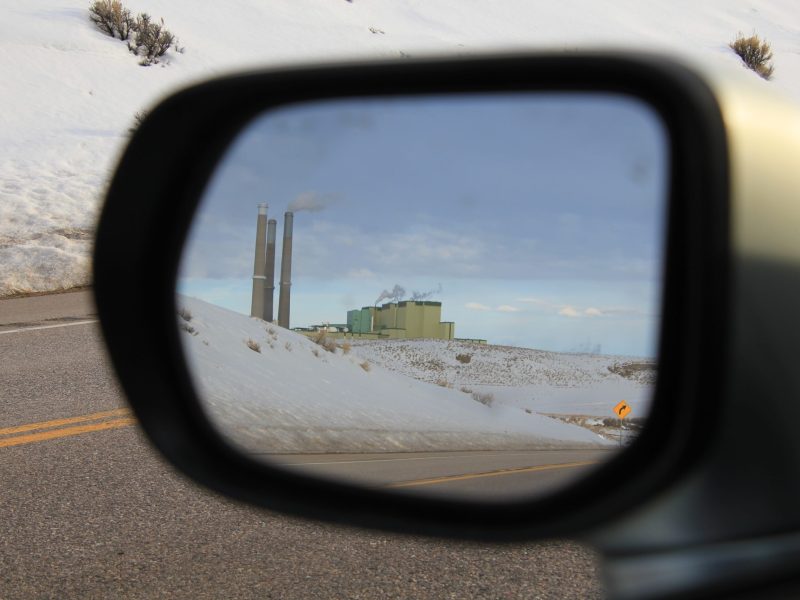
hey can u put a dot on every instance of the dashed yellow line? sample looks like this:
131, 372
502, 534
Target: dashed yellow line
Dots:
49, 430
509, 471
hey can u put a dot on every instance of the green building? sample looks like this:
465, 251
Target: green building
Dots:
401, 320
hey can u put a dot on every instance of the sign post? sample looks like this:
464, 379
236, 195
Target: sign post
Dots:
621, 411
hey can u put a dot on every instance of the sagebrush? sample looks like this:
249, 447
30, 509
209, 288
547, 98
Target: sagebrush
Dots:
147, 39
321, 339
485, 399
755, 53
253, 345
138, 118
150, 40
112, 18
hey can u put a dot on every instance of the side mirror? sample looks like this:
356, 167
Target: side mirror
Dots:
568, 214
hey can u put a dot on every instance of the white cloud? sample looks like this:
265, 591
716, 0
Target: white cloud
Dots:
569, 311
477, 306
507, 308
533, 301
593, 312
360, 274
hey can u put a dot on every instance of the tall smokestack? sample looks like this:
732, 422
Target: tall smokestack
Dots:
286, 271
260, 263
269, 284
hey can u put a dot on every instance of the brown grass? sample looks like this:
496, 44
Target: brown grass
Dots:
485, 399
755, 53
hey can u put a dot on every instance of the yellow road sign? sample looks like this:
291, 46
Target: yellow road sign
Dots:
622, 410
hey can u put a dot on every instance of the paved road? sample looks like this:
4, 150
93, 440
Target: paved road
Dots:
497, 475
87, 510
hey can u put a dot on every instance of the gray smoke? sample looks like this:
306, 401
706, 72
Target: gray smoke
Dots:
424, 295
309, 202
395, 295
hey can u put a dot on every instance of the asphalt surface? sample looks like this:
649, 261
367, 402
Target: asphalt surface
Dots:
88, 510
474, 475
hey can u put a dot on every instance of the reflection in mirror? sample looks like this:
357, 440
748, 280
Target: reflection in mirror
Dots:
451, 295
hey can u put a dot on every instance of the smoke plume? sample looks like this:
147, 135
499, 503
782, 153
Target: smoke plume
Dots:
309, 202
415, 295
395, 295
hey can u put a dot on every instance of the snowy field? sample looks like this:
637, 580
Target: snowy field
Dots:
541, 381
70, 93
274, 390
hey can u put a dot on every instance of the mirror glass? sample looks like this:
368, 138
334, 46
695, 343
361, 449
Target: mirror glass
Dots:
452, 295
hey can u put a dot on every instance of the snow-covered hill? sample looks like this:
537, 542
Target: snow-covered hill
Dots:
553, 383
70, 93
460, 363
273, 390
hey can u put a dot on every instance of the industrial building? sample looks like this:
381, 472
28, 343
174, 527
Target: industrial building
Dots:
404, 320
408, 319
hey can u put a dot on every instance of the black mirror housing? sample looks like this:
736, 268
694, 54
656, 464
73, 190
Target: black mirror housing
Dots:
161, 176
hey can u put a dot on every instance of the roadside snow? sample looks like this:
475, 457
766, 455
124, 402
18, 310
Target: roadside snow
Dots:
291, 395
70, 93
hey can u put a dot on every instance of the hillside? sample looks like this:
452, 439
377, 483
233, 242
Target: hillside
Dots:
70, 93
458, 363
273, 390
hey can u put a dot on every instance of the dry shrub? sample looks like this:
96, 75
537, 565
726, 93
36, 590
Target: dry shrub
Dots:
185, 314
365, 365
466, 390
755, 53
642, 372
321, 339
288, 346
464, 358
138, 119
112, 18
253, 345
146, 39
315, 352
188, 328
485, 399
444, 383
346, 347
150, 40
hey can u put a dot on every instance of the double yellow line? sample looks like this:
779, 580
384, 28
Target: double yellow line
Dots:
50, 430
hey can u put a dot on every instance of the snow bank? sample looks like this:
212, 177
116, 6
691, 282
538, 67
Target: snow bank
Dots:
537, 380
291, 395
70, 93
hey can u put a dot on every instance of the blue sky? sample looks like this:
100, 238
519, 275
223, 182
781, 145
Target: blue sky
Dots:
536, 219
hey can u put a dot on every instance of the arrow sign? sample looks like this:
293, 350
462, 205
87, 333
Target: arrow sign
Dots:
622, 410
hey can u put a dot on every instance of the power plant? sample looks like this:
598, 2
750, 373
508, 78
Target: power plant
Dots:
404, 320
264, 269
401, 319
